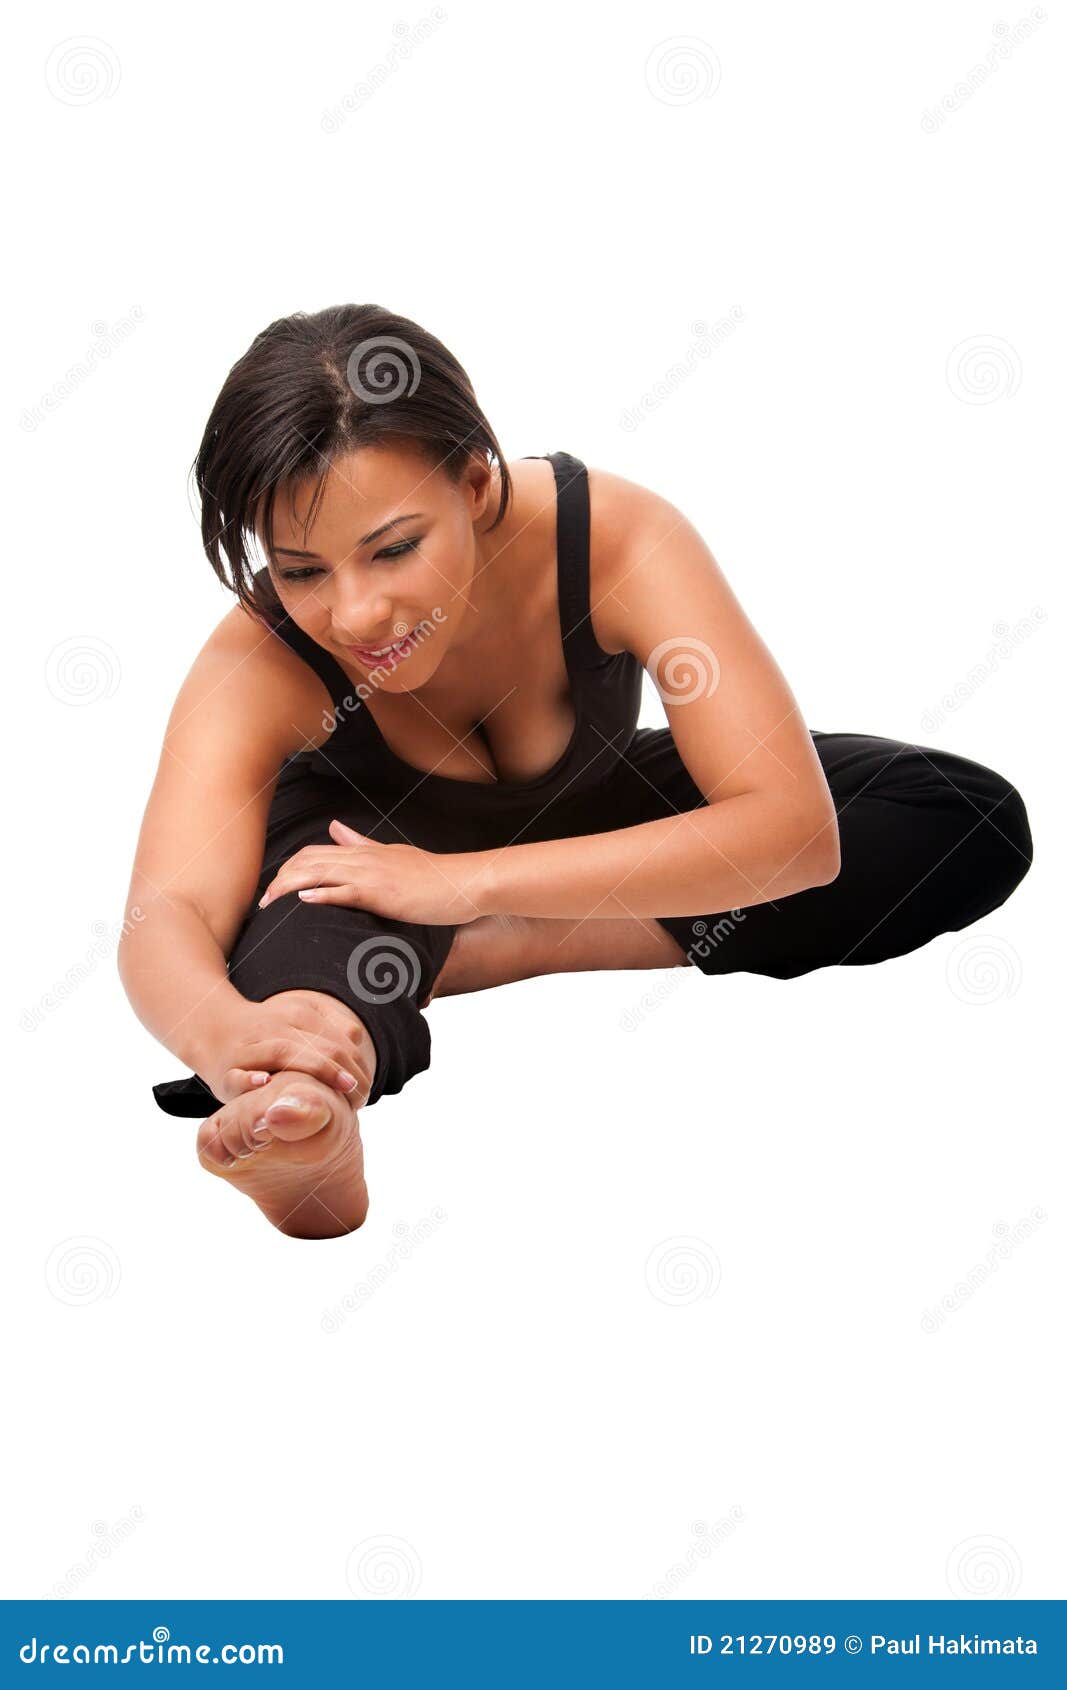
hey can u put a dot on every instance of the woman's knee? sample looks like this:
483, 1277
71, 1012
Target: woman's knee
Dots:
993, 847
1009, 845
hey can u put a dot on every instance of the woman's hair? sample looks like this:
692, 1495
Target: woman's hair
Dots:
310, 388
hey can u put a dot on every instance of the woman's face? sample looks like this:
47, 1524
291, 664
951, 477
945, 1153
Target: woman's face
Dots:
386, 565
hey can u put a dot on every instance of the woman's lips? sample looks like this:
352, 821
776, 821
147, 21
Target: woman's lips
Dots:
385, 654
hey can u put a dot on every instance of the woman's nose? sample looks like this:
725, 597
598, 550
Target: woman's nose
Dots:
361, 617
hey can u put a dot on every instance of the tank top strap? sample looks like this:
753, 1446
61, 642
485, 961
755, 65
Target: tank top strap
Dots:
340, 686
572, 562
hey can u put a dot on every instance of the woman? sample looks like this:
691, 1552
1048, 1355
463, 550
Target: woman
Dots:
407, 762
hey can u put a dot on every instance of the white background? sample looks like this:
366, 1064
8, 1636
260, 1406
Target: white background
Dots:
524, 1406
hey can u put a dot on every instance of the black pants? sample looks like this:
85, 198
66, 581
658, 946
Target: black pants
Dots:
930, 842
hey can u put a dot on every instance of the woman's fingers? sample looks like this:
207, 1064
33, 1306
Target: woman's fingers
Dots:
236, 1081
310, 867
335, 1067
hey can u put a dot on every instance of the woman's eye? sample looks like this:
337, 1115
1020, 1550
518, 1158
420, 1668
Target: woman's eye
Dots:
296, 576
398, 551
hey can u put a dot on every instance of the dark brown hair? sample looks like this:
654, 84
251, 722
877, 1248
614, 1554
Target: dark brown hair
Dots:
310, 388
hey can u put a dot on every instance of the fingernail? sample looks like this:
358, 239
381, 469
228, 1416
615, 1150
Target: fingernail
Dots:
259, 1079
347, 1080
261, 1130
229, 1162
265, 899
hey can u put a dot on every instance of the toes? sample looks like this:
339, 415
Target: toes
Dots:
226, 1138
211, 1146
301, 1110
252, 1123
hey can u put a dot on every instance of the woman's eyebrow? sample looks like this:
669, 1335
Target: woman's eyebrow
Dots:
375, 533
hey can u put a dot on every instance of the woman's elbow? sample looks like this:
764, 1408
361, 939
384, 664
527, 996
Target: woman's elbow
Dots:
820, 851
807, 848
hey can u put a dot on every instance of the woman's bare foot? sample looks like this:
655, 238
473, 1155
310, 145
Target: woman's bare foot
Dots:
293, 1146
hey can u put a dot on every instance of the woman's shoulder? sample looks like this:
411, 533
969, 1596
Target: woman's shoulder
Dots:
244, 661
621, 513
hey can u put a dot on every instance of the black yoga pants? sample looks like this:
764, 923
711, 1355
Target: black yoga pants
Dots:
930, 842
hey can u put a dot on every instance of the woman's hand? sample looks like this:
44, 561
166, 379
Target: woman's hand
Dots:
441, 889
306, 1032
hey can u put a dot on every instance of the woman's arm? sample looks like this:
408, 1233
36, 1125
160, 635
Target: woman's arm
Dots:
246, 704
769, 828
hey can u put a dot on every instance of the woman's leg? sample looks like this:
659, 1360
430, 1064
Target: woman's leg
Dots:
497, 950
380, 968
930, 842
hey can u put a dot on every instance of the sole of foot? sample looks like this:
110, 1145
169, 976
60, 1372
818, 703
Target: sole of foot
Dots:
293, 1147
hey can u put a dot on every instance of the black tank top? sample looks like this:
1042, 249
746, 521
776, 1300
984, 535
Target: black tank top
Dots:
605, 691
